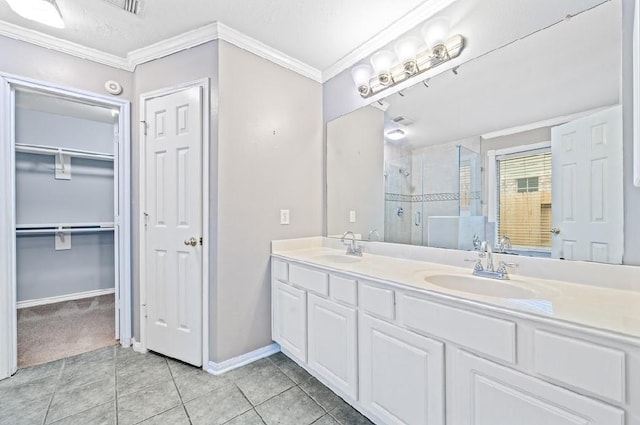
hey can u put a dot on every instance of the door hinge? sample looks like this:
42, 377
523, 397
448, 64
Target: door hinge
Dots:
200, 240
146, 126
144, 310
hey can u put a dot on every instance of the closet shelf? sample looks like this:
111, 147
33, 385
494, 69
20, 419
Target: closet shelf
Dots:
52, 150
53, 228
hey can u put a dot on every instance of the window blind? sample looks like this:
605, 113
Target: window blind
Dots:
524, 199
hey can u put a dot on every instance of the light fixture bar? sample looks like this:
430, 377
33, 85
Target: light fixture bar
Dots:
425, 60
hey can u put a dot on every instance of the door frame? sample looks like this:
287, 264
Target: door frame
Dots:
122, 167
204, 85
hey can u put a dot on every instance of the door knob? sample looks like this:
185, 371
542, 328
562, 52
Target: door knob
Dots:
555, 230
191, 241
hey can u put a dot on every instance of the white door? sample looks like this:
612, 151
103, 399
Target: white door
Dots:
401, 375
485, 393
332, 348
173, 162
587, 202
290, 320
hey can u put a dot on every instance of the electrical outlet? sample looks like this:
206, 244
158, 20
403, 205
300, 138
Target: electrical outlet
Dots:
352, 216
284, 216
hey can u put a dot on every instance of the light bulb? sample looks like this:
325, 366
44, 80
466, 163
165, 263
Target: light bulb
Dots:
407, 50
382, 62
435, 32
361, 75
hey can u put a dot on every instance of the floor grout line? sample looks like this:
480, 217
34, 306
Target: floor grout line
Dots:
55, 389
173, 379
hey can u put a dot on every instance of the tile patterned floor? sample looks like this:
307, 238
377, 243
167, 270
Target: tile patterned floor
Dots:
119, 386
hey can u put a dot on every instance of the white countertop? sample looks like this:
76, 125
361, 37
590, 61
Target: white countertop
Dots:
615, 310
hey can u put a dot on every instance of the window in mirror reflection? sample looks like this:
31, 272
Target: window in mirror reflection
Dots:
524, 200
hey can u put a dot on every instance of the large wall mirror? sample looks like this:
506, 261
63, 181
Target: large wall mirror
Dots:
521, 147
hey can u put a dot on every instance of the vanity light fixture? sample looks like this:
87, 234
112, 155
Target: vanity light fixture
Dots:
396, 134
43, 11
411, 58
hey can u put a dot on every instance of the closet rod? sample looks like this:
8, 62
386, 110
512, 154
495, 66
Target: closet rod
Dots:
54, 231
52, 150
106, 224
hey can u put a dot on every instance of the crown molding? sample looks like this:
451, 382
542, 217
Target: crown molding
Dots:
258, 48
173, 44
420, 14
44, 40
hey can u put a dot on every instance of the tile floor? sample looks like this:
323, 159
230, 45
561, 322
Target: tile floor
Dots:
119, 386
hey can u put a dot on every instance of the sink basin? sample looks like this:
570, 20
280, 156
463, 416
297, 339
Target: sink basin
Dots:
337, 258
482, 286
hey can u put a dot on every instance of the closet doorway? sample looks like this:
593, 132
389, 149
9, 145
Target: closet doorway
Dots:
65, 219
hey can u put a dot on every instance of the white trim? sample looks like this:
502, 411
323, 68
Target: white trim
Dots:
137, 346
420, 14
8, 333
522, 148
196, 37
204, 85
544, 123
63, 46
636, 95
173, 44
260, 49
63, 298
236, 362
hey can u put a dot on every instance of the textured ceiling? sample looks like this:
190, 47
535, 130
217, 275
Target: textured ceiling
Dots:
316, 32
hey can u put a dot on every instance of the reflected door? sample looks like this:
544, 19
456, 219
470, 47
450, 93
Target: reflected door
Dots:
588, 188
173, 155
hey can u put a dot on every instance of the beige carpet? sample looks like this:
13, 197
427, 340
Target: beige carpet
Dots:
54, 331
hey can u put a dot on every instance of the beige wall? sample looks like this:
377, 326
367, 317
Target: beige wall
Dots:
270, 158
27, 60
355, 166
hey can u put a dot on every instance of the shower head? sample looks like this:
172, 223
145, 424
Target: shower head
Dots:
404, 172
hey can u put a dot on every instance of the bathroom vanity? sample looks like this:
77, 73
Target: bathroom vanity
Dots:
418, 342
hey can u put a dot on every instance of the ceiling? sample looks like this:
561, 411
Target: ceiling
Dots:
317, 33
551, 73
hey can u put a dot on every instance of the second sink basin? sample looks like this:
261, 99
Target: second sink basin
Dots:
336, 258
481, 286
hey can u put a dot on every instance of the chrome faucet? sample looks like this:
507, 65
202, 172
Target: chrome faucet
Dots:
486, 247
505, 243
488, 271
372, 233
352, 247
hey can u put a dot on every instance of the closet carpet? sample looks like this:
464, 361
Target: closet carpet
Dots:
54, 331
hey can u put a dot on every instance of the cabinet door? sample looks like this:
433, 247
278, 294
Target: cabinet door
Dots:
401, 374
333, 343
290, 319
485, 393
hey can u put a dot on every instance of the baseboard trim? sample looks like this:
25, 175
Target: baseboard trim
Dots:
62, 298
236, 362
137, 346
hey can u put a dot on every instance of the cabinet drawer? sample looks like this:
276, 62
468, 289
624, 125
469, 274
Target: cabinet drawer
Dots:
484, 334
310, 279
343, 289
279, 270
378, 301
594, 368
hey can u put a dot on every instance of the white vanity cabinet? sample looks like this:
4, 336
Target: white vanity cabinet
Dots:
485, 393
401, 355
401, 374
290, 319
333, 350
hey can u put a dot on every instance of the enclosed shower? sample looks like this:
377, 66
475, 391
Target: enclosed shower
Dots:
432, 196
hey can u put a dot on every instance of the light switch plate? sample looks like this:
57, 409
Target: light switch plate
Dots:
284, 216
352, 216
